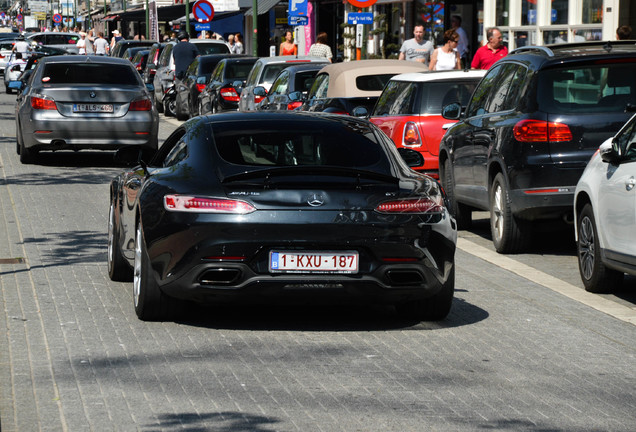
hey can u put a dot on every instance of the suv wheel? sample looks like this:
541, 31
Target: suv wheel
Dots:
509, 235
596, 277
462, 213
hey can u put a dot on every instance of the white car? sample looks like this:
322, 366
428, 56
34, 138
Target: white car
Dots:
605, 213
12, 71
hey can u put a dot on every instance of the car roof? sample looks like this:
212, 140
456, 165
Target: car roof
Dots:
305, 67
54, 33
293, 59
84, 59
439, 75
574, 52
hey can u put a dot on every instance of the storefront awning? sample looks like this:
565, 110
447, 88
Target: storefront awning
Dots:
111, 18
263, 7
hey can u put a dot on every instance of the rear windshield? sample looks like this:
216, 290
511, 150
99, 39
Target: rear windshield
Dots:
213, 48
304, 80
272, 70
587, 89
339, 145
87, 73
373, 82
238, 70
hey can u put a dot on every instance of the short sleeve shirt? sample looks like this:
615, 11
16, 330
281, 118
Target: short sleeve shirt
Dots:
485, 57
320, 50
413, 50
100, 46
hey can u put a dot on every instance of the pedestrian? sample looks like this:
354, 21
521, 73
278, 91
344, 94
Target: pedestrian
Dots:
624, 32
462, 45
116, 38
417, 49
230, 42
184, 52
17, 59
90, 40
492, 51
101, 44
81, 44
288, 47
446, 57
21, 45
238, 42
320, 48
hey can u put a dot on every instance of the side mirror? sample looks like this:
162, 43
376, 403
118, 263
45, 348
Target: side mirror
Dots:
360, 112
411, 157
452, 111
608, 152
260, 91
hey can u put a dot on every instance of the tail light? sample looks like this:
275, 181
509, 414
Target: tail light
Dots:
143, 104
193, 204
200, 87
257, 99
152, 72
412, 205
411, 136
293, 105
1, 56
541, 131
229, 94
138, 67
43, 103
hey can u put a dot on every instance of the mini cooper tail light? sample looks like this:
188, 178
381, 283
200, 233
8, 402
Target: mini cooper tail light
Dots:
412, 205
229, 94
143, 104
183, 203
200, 87
293, 105
541, 131
40, 102
411, 135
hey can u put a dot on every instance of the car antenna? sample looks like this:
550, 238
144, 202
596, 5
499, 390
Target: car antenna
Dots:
608, 46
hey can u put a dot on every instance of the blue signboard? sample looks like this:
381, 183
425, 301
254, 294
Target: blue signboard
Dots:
298, 8
297, 20
201, 27
360, 18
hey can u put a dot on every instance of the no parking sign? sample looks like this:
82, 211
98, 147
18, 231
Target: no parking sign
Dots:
203, 11
362, 3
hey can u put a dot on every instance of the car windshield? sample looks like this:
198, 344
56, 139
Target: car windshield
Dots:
89, 73
212, 48
587, 89
307, 144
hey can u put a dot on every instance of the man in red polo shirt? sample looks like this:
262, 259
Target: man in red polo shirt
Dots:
491, 52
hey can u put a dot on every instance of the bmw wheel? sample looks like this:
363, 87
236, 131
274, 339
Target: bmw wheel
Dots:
118, 268
27, 156
596, 277
509, 234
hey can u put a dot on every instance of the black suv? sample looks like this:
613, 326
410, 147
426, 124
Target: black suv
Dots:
529, 130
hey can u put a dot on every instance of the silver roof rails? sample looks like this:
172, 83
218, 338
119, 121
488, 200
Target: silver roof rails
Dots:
546, 50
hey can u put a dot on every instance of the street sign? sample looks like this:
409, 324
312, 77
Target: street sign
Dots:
203, 11
359, 35
2, 15
362, 3
18, 17
298, 8
360, 18
202, 27
57, 18
297, 21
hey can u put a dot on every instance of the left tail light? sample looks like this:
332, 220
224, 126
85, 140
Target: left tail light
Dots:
143, 104
192, 204
229, 94
41, 102
411, 136
412, 206
293, 105
200, 87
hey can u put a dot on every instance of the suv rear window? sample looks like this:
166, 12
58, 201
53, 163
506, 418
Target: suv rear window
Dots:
213, 48
87, 73
587, 89
372, 82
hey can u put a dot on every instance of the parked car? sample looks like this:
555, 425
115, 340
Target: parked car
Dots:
131, 52
140, 60
153, 60
224, 89
63, 40
528, 132
340, 88
164, 76
263, 73
84, 102
121, 46
237, 229
409, 109
196, 78
289, 88
6, 47
605, 213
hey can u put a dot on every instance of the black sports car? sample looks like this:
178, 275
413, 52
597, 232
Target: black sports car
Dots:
255, 206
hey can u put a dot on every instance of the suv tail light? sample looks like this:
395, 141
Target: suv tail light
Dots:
229, 94
411, 136
43, 103
541, 131
143, 104
193, 204
412, 205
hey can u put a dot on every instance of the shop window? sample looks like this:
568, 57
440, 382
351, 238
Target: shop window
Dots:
503, 6
559, 12
555, 37
592, 12
528, 12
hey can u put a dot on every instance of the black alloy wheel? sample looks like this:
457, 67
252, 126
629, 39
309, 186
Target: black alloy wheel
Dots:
462, 213
118, 268
509, 234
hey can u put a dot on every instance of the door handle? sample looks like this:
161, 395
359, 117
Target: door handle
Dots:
630, 183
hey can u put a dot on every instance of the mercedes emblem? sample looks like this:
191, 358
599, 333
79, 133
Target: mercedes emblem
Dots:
315, 200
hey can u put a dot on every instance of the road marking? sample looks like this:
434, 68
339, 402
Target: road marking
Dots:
619, 311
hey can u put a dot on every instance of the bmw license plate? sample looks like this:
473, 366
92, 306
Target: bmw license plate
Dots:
93, 108
313, 262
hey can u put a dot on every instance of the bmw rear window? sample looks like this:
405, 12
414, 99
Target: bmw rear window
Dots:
89, 73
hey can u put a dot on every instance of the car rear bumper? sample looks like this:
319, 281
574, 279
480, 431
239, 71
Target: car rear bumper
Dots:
543, 203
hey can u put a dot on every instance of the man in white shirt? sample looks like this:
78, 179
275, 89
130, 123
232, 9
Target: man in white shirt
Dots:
21, 45
100, 45
462, 45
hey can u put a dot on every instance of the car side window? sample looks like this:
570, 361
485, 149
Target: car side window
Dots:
166, 151
499, 98
479, 103
192, 69
178, 153
281, 83
397, 99
626, 141
218, 72
252, 79
320, 86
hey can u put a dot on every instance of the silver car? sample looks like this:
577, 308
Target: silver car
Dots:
84, 102
66, 41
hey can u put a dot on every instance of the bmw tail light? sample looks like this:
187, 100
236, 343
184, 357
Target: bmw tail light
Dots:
412, 205
183, 203
229, 94
411, 135
40, 102
200, 87
541, 131
293, 105
143, 104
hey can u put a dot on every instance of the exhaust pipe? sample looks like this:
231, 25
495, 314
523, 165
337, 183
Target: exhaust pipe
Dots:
404, 277
219, 276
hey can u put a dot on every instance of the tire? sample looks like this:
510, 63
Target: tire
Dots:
151, 304
169, 107
596, 277
461, 212
118, 268
9, 91
159, 105
18, 139
434, 308
509, 235
181, 116
27, 156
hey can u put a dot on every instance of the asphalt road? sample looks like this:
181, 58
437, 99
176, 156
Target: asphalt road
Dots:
524, 348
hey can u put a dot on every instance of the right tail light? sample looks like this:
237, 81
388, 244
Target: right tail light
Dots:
541, 131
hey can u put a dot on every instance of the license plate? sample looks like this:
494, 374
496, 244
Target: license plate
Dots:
96, 108
313, 262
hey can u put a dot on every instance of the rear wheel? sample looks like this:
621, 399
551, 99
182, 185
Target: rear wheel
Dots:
509, 234
596, 277
27, 156
118, 268
159, 105
435, 308
462, 213
9, 91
